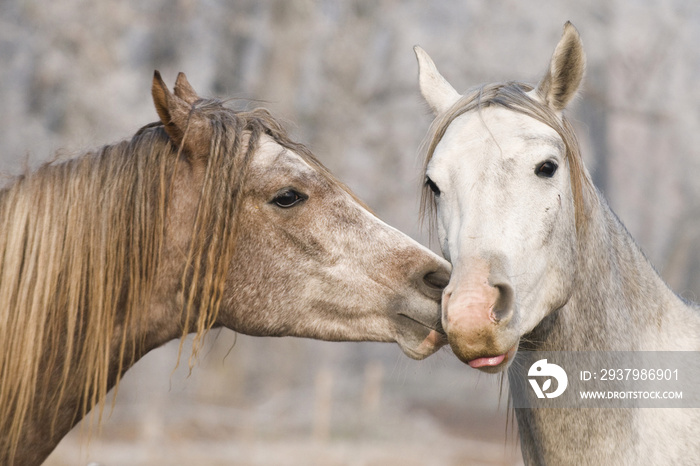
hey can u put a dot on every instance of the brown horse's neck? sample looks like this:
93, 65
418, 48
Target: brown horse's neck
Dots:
99, 272
162, 323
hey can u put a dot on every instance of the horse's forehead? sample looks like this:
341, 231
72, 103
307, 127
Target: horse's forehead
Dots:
272, 154
497, 132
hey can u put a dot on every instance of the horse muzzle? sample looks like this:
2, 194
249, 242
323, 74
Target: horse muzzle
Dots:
477, 309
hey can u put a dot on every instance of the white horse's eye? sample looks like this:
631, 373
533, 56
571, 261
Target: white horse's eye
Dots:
433, 187
546, 169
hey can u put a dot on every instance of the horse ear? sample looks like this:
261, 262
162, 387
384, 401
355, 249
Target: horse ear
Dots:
437, 92
176, 114
184, 90
169, 108
563, 78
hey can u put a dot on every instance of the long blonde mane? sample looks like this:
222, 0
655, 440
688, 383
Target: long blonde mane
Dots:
511, 95
80, 247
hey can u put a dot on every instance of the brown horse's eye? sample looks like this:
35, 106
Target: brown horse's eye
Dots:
288, 198
546, 169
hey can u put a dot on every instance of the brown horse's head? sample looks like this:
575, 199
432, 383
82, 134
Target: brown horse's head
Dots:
280, 246
209, 217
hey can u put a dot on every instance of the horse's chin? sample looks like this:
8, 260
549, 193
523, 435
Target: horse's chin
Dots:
433, 341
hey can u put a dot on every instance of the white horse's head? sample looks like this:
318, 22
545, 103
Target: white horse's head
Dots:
506, 179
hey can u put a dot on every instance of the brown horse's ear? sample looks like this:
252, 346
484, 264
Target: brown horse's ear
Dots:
182, 123
563, 78
184, 90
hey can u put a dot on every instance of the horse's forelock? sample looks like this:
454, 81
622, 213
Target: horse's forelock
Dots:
513, 96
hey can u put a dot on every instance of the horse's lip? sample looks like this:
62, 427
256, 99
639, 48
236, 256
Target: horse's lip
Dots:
437, 326
490, 363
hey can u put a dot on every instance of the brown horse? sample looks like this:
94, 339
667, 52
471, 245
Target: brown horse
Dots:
207, 218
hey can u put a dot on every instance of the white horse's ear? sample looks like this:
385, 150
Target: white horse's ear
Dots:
439, 94
563, 78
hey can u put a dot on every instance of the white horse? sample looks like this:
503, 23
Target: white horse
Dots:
540, 262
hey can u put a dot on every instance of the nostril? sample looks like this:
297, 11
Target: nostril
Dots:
504, 306
436, 280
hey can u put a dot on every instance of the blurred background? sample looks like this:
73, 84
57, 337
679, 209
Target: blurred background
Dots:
76, 74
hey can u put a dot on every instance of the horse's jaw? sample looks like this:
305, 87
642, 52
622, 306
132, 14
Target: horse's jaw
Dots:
421, 349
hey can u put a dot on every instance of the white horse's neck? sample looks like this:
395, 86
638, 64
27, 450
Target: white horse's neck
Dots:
620, 302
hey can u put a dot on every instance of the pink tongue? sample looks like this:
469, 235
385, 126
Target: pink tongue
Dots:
483, 362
